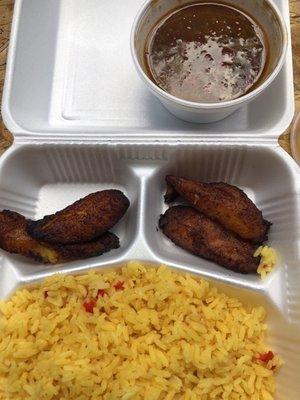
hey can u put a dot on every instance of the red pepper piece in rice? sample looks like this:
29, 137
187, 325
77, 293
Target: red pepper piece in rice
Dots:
90, 305
101, 293
119, 285
266, 357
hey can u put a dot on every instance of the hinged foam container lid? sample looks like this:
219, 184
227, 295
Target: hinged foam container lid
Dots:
70, 77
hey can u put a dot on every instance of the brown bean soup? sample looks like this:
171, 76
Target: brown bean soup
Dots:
206, 52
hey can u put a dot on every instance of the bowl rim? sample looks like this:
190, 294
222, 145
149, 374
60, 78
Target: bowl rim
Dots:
209, 106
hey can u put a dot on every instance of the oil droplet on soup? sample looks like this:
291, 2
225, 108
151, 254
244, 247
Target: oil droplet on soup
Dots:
206, 52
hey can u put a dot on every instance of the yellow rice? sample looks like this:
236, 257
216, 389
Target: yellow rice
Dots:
165, 336
267, 262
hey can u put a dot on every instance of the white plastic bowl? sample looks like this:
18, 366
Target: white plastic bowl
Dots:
265, 12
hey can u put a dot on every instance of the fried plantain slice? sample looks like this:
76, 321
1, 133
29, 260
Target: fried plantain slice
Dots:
15, 239
171, 194
106, 242
200, 235
82, 221
226, 204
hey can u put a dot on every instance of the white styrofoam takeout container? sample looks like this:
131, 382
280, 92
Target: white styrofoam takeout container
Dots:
83, 121
265, 12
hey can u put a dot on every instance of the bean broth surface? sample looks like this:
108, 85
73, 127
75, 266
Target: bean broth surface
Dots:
206, 52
